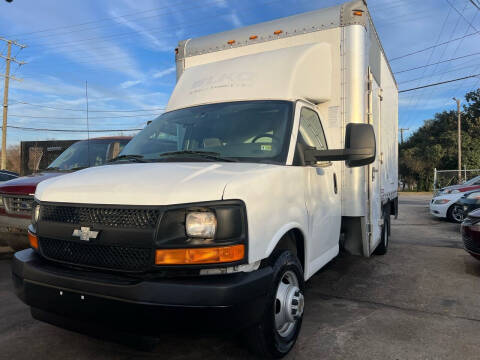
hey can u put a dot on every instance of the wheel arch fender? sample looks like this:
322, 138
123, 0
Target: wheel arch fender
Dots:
298, 231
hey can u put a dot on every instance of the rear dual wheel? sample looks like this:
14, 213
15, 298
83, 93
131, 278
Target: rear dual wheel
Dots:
382, 248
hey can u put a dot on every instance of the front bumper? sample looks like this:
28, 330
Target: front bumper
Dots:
440, 210
139, 305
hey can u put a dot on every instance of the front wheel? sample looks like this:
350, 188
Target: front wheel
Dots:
275, 335
455, 213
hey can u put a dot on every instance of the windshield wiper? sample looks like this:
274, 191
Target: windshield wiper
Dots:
132, 157
205, 154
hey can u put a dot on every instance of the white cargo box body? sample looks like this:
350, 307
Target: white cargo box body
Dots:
330, 57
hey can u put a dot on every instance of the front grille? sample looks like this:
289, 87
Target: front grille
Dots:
470, 244
108, 217
18, 205
98, 256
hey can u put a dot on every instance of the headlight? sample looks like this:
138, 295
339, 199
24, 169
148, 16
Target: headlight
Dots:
213, 232
454, 191
36, 214
201, 225
1, 201
475, 195
441, 201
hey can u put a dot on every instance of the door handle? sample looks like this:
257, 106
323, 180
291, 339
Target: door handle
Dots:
335, 187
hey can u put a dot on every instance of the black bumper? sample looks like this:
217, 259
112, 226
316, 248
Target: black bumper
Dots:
132, 304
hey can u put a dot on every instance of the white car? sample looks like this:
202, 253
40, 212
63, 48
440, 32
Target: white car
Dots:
444, 206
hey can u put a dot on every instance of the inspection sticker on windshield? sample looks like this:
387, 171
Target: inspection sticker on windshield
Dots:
266, 147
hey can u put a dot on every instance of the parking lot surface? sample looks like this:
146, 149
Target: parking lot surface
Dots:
420, 301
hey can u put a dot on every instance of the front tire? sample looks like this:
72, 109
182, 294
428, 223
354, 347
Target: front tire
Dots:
276, 333
455, 213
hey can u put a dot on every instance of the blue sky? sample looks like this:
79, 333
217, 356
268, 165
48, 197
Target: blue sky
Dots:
125, 50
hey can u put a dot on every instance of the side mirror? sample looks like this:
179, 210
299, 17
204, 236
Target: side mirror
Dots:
360, 148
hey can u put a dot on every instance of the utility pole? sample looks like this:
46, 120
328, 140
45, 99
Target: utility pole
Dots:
7, 77
459, 125
401, 133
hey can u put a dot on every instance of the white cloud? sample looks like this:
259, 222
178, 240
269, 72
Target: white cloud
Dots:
235, 19
129, 83
148, 35
163, 73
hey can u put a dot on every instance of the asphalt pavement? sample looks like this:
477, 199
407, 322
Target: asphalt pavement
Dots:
419, 301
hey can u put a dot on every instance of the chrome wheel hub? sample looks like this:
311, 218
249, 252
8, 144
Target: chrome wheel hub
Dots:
457, 213
289, 304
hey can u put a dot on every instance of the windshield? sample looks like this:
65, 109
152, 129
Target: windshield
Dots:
474, 181
76, 156
250, 131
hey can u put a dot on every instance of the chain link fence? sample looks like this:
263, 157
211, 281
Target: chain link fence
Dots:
443, 178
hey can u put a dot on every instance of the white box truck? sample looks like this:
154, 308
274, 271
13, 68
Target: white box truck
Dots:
278, 148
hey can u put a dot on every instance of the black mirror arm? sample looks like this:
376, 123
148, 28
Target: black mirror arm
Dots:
313, 155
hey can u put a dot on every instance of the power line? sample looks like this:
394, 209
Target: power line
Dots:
458, 48
171, 6
415, 99
433, 46
440, 62
440, 75
88, 22
71, 130
83, 110
475, 4
439, 83
80, 118
463, 17
151, 30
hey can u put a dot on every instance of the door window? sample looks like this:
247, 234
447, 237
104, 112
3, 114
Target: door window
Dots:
310, 131
310, 134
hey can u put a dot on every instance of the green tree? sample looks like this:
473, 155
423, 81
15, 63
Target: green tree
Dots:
434, 145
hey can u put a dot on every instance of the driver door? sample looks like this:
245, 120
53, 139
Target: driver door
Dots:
322, 197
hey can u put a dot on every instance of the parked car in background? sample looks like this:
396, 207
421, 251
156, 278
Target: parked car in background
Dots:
469, 185
16, 196
445, 206
471, 233
469, 202
6, 175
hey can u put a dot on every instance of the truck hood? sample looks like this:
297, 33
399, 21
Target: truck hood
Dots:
26, 185
146, 184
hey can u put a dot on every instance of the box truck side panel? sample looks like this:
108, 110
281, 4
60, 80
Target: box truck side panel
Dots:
389, 135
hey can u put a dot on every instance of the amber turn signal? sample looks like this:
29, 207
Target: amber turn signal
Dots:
194, 256
33, 239
357, 12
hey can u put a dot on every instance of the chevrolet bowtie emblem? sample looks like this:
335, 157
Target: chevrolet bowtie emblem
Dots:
85, 233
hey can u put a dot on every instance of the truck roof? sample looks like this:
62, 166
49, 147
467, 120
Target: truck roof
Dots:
317, 20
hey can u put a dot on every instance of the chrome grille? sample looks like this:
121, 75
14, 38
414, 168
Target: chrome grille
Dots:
18, 205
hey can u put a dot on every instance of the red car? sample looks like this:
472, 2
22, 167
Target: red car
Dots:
16, 196
471, 233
